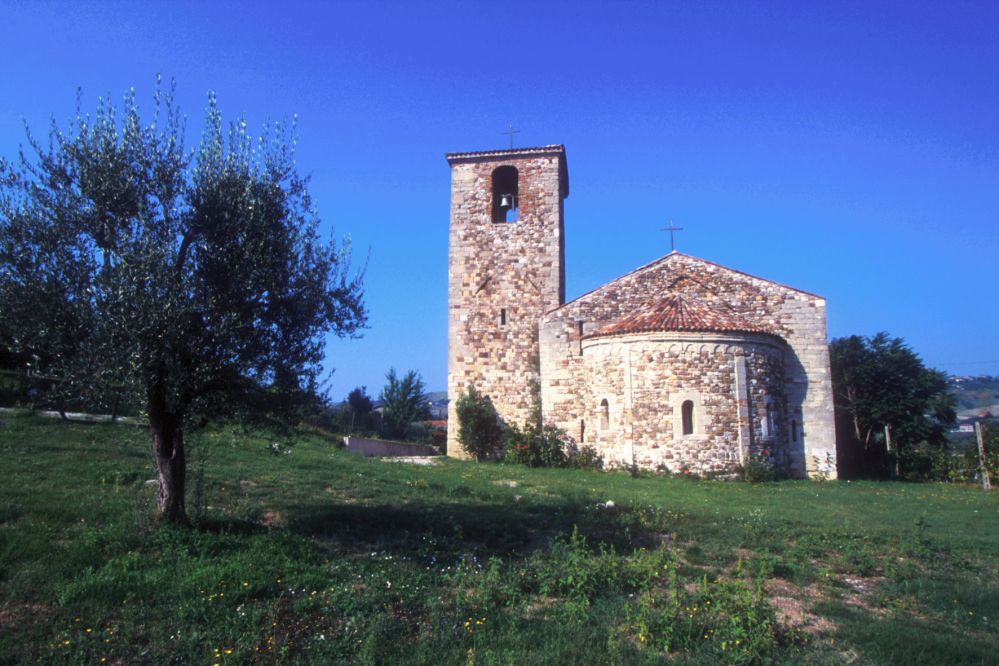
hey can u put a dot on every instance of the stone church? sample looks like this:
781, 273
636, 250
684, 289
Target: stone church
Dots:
680, 363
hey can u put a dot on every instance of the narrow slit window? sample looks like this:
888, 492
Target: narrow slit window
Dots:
604, 414
582, 431
687, 417
794, 431
502, 316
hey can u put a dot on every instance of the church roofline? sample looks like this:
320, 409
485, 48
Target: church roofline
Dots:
676, 253
555, 149
676, 313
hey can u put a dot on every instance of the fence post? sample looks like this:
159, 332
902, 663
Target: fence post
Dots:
986, 481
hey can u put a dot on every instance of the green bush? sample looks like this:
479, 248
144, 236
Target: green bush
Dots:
586, 457
758, 469
548, 446
479, 431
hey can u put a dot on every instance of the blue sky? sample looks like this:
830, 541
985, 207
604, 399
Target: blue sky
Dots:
848, 149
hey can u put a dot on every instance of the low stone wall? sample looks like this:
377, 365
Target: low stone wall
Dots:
371, 448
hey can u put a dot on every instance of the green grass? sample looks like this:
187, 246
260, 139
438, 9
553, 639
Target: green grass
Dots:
317, 556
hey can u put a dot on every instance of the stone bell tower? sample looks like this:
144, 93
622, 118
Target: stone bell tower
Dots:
505, 270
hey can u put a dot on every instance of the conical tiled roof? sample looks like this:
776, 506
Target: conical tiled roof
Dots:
677, 312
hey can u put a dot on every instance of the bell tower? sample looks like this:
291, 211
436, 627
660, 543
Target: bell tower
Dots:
505, 270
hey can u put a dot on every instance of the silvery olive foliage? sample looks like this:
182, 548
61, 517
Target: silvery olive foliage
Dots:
184, 277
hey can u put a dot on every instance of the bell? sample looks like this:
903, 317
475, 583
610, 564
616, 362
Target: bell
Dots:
507, 201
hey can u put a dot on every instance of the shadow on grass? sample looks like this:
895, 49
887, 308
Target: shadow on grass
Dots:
456, 529
211, 524
900, 638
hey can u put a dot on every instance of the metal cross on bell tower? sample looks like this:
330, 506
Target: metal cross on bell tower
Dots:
511, 131
671, 229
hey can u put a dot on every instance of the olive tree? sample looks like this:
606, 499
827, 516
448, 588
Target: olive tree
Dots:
188, 277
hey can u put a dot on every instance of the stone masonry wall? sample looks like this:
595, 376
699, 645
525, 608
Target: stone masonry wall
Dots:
492, 267
798, 317
646, 377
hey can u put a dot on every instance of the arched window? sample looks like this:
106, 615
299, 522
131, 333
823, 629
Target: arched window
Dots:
506, 194
770, 425
687, 416
604, 414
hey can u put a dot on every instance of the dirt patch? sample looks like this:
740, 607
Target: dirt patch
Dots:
271, 518
412, 460
860, 590
791, 606
12, 614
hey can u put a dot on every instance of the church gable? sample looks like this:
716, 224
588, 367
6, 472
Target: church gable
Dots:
745, 296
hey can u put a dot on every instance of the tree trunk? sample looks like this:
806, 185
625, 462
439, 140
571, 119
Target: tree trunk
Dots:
167, 430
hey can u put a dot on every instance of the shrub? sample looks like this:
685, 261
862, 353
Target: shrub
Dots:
479, 431
536, 446
548, 446
586, 458
758, 469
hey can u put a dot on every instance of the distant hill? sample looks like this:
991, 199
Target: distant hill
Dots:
975, 395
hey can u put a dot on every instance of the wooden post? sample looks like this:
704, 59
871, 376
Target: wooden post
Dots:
895, 469
986, 482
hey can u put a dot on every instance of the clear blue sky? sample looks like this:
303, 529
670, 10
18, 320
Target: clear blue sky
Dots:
848, 149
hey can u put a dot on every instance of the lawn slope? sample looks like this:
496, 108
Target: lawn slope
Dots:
305, 554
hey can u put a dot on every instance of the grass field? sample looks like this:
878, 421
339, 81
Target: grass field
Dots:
316, 556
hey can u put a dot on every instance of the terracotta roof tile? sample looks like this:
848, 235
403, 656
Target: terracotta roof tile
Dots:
677, 312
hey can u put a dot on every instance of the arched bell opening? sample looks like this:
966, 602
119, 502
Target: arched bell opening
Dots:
506, 194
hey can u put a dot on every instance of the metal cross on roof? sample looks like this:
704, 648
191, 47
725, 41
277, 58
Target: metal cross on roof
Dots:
511, 131
671, 229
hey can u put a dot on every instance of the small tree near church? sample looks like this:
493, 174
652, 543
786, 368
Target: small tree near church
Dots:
480, 432
191, 278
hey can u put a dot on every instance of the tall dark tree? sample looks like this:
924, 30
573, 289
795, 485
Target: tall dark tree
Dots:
880, 382
360, 402
404, 401
190, 278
